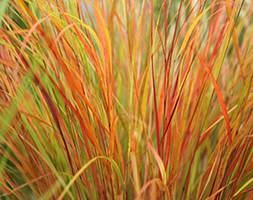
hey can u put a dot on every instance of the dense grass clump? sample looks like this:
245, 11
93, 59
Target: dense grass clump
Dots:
126, 99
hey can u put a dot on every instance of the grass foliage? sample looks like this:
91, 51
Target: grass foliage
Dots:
126, 99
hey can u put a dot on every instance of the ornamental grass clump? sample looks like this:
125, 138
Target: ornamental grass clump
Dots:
126, 99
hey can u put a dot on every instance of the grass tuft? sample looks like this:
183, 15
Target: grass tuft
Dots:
126, 99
